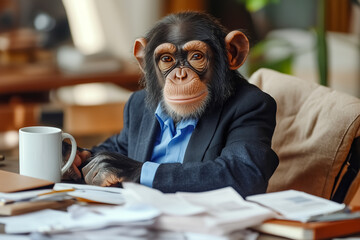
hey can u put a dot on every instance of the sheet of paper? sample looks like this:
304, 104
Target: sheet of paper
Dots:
296, 205
129, 213
132, 233
22, 195
166, 203
109, 195
97, 196
33, 221
14, 237
225, 205
79, 218
242, 234
117, 232
61, 186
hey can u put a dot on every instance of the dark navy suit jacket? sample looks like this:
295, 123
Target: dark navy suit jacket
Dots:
230, 146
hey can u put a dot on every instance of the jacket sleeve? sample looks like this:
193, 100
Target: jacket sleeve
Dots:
244, 158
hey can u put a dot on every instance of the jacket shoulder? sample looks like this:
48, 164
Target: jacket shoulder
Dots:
250, 94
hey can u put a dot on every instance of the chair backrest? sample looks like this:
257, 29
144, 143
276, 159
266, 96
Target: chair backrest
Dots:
315, 129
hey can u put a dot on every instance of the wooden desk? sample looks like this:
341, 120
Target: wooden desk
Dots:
37, 78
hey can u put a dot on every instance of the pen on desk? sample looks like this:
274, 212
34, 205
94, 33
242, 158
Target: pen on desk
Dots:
52, 196
57, 191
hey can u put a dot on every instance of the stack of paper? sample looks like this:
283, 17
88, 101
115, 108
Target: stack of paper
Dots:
218, 212
80, 218
142, 211
139, 212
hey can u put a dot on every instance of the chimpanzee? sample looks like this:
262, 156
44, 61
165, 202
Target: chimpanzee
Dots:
198, 124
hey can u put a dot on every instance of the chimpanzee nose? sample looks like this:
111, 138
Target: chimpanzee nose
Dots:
180, 73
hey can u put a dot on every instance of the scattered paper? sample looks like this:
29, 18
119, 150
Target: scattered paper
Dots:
24, 195
109, 195
140, 233
243, 234
80, 218
62, 186
140, 212
217, 212
14, 237
166, 203
103, 197
34, 221
296, 205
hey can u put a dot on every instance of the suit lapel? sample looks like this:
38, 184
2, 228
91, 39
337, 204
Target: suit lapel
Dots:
202, 135
147, 136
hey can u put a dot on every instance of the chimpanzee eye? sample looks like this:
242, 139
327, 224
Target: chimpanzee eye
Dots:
197, 56
166, 58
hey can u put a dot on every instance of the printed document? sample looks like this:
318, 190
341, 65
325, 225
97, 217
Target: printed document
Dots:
296, 205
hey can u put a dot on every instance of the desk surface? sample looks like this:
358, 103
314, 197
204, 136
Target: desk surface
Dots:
10, 164
31, 78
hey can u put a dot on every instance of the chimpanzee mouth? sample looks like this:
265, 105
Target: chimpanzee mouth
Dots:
187, 99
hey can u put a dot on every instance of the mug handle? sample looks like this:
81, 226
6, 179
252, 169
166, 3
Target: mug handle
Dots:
72, 154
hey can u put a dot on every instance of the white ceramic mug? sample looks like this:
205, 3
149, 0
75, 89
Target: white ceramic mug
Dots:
40, 152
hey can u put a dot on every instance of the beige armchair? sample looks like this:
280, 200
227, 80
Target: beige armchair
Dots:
315, 132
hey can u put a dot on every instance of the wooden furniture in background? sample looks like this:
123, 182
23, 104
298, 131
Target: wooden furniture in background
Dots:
91, 125
34, 78
23, 91
17, 115
338, 13
184, 5
95, 119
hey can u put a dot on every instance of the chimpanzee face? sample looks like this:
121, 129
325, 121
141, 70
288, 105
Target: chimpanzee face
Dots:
183, 72
187, 61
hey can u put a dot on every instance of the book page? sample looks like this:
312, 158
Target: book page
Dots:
296, 205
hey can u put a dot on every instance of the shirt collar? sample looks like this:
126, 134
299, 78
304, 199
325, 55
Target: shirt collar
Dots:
165, 119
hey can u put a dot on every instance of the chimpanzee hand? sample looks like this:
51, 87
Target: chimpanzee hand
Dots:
73, 173
108, 169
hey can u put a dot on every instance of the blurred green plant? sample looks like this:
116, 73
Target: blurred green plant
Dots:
274, 54
284, 65
321, 43
255, 5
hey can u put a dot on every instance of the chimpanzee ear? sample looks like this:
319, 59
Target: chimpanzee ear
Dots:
237, 46
139, 52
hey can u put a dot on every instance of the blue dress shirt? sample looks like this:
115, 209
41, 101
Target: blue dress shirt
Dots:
170, 145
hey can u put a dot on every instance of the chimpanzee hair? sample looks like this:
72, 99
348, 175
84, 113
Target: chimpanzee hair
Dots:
178, 29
